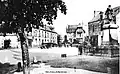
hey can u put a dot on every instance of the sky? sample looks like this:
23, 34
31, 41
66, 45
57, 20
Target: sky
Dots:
79, 11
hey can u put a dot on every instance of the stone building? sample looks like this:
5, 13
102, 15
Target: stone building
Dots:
44, 34
35, 37
95, 29
101, 31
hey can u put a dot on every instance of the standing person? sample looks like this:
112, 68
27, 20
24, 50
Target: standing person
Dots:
80, 50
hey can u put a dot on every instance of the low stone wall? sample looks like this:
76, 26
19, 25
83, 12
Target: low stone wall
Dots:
108, 51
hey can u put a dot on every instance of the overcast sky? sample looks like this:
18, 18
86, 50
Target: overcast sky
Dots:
81, 10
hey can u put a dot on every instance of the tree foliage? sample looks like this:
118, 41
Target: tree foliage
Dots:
26, 13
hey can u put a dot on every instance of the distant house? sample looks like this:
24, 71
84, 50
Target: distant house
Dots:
79, 34
13, 40
44, 34
95, 29
70, 29
75, 33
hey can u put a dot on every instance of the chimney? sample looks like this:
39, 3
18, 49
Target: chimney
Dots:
94, 13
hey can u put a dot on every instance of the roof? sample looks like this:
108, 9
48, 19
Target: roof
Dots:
47, 28
79, 28
71, 28
96, 18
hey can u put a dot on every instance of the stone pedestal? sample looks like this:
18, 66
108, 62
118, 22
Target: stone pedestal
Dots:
110, 34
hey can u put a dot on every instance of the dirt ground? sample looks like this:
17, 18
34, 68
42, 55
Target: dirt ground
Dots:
92, 63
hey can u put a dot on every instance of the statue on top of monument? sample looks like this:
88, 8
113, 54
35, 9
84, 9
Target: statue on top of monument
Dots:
109, 13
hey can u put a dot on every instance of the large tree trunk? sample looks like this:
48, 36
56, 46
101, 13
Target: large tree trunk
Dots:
25, 53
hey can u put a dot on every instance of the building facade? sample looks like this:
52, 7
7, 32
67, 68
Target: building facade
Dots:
95, 29
36, 37
79, 34
102, 31
13, 40
43, 35
75, 33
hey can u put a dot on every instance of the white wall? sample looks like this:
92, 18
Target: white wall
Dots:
99, 40
35, 34
113, 33
1, 41
106, 35
118, 23
13, 43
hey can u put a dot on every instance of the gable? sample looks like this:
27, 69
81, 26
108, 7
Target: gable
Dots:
80, 30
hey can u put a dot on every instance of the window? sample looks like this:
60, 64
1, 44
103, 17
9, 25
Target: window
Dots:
39, 33
42, 41
48, 35
80, 34
47, 40
42, 33
36, 40
93, 28
35, 33
51, 35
